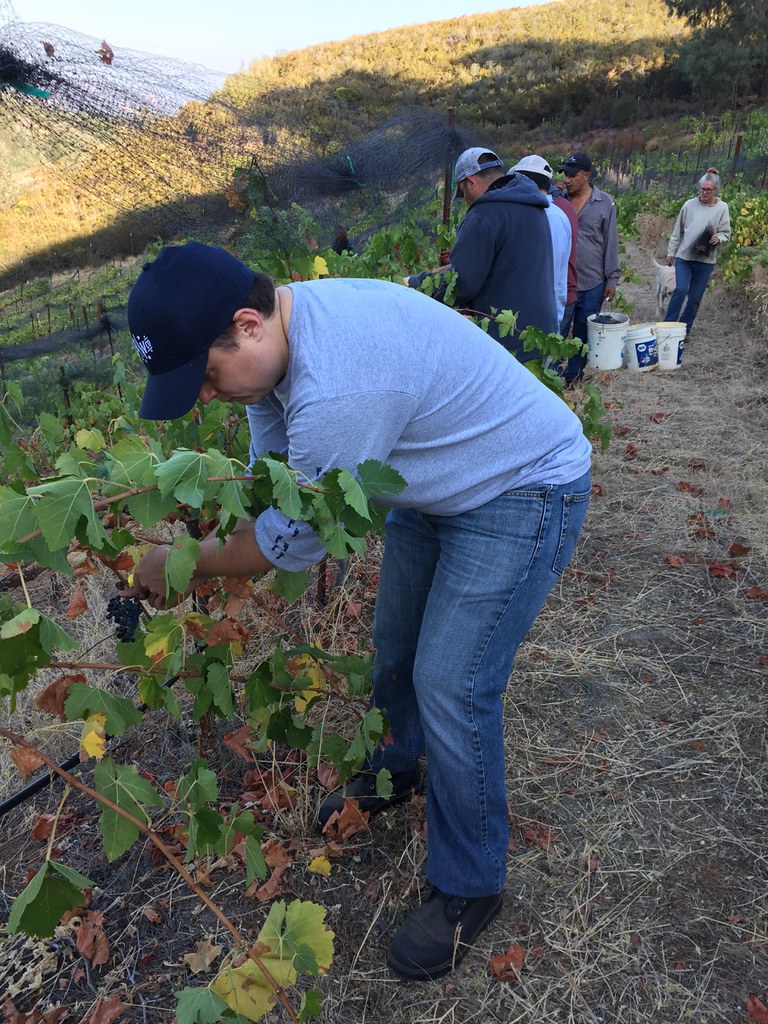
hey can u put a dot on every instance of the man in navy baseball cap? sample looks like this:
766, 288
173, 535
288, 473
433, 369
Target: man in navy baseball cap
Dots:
179, 305
577, 162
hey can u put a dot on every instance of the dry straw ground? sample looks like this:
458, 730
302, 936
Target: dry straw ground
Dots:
636, 727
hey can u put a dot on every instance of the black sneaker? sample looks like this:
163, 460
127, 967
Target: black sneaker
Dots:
362, 788
435, 937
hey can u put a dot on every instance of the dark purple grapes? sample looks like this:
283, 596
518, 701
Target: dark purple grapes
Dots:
125, 612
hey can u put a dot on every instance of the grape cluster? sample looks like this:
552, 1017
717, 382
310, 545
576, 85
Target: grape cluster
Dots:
125, 613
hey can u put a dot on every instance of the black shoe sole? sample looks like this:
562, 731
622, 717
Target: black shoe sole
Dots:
412, 972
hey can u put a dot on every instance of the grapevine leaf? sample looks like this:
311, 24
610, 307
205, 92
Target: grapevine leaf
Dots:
245, 989
83, 701
51, 432
63, 503
255, 865
21, 623
39, 907
285, 489
203, 831
93, 440
15, 393
299, 932
37, 550
339, 542
380, 480
353, 493
53, 637
197, 786
320, 865
163, 635
132, 653
185, 476
156, 696
289, 585
17, 464
72, 876
217, 680
17, 515
198, 1006
131, 464
311, 1005
180, 564
123, 785
6, 434
230, 494
93, 740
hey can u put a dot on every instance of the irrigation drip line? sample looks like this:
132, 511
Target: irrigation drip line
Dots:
67, 765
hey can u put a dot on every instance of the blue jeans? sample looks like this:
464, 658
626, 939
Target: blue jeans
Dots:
691, 280
457, 596
587, 303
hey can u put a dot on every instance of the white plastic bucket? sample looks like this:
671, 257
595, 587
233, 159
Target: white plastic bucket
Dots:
606, 341
670, 338
641, 350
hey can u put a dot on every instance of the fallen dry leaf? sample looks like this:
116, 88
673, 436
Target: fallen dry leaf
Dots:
756, 1008
152, 915
722, 569
540, 835
92, 942
737, 549
77, 603
205, 953
327, 776
26, 760
756, 593
347, 822
228, 631
508, 966
674, 560
107, 1010
271, 887
237, 739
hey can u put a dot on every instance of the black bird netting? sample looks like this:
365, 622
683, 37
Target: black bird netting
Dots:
143, 128
172, 148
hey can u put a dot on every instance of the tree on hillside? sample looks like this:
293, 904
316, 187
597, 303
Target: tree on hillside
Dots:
727, 52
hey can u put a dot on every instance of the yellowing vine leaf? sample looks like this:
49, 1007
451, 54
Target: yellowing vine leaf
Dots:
304, 666
93, 740
320, 866
294, 938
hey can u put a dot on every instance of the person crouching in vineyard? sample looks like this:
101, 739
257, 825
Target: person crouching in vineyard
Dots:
702, 225
334, 372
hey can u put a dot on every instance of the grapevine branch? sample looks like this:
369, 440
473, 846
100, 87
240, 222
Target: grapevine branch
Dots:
240, 940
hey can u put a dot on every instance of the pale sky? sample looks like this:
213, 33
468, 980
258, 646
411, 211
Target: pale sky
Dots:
222, 35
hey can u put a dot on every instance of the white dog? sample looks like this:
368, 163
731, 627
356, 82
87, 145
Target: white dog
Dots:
665, 285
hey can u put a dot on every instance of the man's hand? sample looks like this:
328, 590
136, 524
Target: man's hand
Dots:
610, 292
149, 578
670, 260
714, 240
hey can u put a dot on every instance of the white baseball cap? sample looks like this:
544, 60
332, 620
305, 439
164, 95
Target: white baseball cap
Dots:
534, 164
470, 163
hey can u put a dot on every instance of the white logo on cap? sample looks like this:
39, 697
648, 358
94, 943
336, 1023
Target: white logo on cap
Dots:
143, 346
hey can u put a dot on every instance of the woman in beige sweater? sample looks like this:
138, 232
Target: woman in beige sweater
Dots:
702, 225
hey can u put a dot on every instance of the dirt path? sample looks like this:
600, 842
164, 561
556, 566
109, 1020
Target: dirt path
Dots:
636, 723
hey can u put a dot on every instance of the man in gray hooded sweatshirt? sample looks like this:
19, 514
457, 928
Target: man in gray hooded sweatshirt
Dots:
503, 249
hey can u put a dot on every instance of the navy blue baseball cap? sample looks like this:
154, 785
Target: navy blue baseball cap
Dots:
182, 301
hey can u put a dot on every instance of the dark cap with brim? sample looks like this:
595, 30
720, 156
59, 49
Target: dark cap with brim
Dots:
577, 162
177, 308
